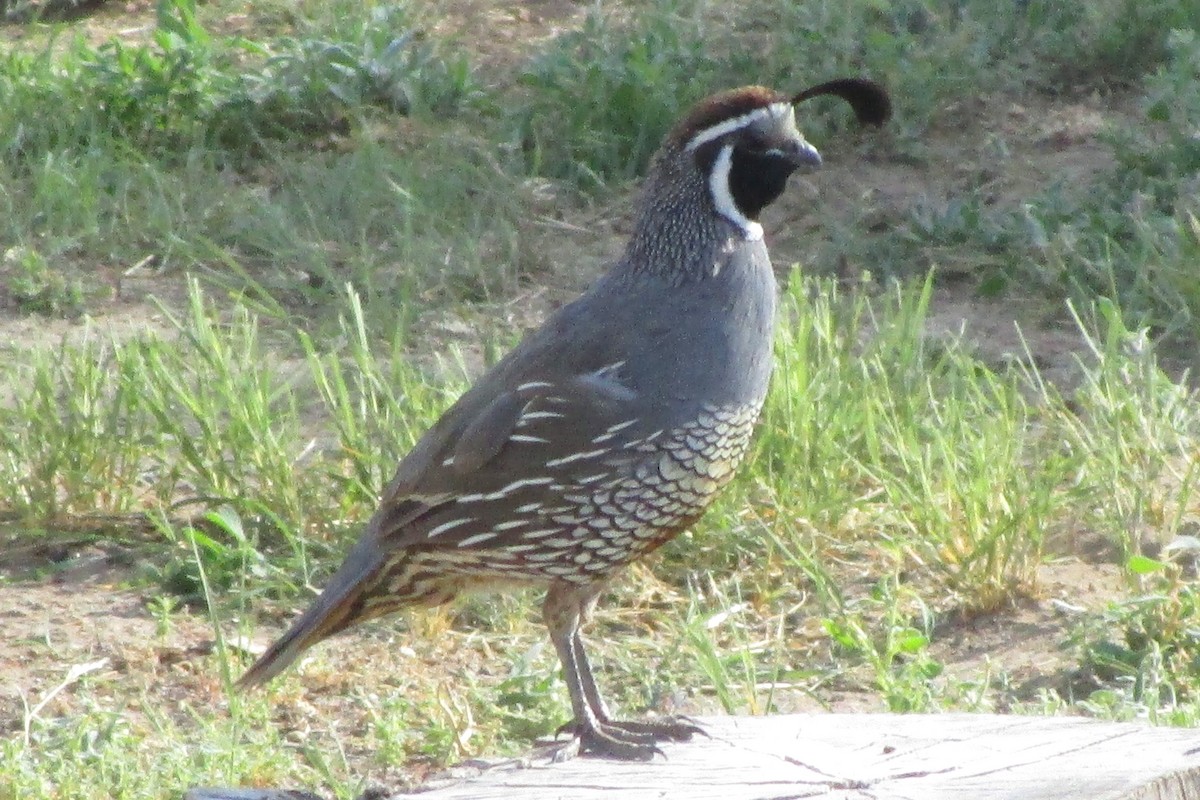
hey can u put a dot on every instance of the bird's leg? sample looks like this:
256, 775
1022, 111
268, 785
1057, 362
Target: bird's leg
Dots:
591, 734
594, 729
591, 691
675, 728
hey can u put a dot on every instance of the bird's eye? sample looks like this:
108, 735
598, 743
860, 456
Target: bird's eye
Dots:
756, 144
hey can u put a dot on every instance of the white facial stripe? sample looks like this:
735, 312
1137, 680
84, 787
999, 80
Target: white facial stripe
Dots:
718, 184
737, 123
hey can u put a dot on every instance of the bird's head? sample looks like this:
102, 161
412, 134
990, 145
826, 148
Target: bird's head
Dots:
746, 144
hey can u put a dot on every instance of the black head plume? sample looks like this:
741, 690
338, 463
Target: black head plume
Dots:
870, 101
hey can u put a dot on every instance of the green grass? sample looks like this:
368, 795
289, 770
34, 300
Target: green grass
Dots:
311, 200
941, 467
1128, 235
180, 150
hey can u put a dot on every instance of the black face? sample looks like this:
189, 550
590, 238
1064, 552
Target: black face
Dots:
757, 178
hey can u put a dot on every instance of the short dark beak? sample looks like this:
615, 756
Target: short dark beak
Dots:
800, 153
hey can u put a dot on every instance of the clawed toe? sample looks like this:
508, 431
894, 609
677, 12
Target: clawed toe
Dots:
625, 740
676, 729
609, 740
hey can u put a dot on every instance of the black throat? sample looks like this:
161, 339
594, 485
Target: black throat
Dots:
756, 179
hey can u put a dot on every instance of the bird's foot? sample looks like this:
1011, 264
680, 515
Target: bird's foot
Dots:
675, 728
609, 739
625, 740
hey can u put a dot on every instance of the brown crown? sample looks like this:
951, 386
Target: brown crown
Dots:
723, 106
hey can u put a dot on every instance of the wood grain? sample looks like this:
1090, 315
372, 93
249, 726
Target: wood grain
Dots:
853, 757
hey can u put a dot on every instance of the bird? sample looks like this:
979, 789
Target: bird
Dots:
609, 430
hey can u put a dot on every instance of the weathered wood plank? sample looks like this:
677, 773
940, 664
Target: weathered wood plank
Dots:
881, 757
862, 757
249, 794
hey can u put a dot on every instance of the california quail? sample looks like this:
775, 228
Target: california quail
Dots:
609, 430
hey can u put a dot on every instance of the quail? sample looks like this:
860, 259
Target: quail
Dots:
609, 430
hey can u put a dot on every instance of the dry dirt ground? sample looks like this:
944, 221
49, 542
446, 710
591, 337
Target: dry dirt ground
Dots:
76, 615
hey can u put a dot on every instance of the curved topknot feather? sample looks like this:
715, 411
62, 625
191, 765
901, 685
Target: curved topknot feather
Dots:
870, 101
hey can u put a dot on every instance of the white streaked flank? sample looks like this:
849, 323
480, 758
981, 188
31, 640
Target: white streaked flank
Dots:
613, 367
476, 539
504, 491
620, 426
613, 430
445, 526
525, 387
520, 437
540, 533
558, 462
528, 415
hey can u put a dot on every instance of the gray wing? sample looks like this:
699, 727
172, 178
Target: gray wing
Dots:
550, 414
520, 453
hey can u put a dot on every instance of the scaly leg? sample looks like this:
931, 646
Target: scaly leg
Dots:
593, 728
675, 728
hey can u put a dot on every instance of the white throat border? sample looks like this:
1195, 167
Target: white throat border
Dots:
718, 187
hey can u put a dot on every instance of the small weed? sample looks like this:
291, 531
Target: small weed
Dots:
1145, 651
877, 630
213, 559
73, 434
36, 288
437, 726
527, 700
725, 649
403, 73
163, 608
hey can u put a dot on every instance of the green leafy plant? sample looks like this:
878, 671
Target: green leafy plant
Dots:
877, 629
403, 73
37, 288
162, 94
1145, 651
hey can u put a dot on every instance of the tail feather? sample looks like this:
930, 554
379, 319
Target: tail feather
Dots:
339, 606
